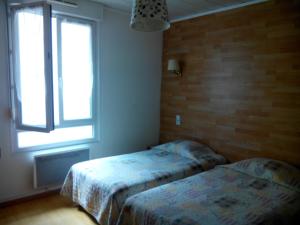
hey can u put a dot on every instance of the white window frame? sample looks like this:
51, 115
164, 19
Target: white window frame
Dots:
14, 68
62, 123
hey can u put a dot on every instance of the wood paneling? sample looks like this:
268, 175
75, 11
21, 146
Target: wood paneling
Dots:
240, 89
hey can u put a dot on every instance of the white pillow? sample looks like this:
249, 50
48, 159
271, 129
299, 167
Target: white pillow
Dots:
273, 170
186, 148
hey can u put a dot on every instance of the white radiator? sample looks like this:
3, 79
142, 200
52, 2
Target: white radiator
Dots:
50, 170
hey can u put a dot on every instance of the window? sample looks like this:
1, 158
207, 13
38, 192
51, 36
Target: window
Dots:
32, 67
53, 96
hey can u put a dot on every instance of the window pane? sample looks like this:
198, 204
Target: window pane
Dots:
30, 59
30, 139
77, 70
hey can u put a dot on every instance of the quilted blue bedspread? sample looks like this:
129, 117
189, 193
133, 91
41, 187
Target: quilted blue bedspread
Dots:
102, 186
260, 191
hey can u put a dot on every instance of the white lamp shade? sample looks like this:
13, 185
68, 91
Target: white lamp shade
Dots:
173, 65
149, 15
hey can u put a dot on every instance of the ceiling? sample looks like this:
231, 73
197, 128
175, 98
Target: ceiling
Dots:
181, 9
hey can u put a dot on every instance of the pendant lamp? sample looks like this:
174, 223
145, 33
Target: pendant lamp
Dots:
149, 15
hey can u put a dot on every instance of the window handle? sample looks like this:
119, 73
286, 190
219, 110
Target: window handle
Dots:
60, 82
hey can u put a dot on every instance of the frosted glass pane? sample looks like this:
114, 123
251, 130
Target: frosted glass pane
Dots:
77, 70
31, 80
29, 139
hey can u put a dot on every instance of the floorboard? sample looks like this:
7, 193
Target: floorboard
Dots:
50, 210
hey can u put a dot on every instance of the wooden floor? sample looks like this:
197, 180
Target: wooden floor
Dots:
51, 210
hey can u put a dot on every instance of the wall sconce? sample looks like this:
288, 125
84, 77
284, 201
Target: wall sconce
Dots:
174, 67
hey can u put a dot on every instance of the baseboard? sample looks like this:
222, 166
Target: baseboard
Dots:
29, 198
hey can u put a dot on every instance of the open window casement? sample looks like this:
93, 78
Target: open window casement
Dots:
31, 65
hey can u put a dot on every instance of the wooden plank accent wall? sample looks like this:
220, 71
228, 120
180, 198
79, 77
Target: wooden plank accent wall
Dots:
240, 89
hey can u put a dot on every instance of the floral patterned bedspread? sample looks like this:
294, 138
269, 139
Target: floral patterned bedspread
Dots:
101, 186
226, 195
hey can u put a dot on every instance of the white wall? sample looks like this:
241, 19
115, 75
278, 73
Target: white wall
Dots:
128, 103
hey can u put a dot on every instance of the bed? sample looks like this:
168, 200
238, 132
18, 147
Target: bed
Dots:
101, 186
255, 191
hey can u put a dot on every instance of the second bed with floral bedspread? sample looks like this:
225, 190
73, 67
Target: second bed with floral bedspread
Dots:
256, 191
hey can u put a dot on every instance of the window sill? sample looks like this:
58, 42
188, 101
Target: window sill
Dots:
63, 146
